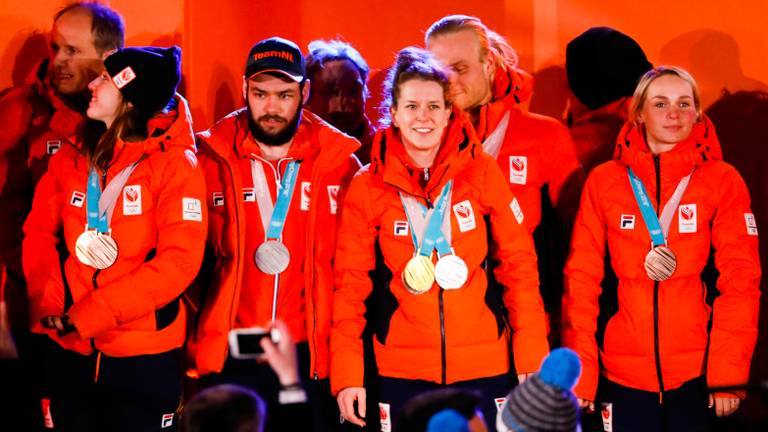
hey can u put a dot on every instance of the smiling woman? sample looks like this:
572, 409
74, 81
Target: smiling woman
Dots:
414, 235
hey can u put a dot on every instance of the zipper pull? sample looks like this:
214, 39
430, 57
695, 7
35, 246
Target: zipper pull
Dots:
426, 174
661, 398
316, 377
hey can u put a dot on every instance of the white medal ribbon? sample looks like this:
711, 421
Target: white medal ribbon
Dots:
492, 143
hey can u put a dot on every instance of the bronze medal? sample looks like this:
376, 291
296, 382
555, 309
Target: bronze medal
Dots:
419, 274
272, 257
660, 263
451, 272
96, 249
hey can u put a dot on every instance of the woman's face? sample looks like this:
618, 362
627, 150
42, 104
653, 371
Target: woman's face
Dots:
421, 114
668, 113
105, 99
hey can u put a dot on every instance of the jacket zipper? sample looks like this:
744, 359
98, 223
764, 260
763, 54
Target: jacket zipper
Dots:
93, 341
656, 351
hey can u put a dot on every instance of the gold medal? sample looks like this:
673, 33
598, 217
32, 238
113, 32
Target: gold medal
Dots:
660, 263
451, 272
419, 274
95, 249
272, 257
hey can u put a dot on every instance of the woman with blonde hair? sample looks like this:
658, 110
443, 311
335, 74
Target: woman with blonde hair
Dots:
659, 206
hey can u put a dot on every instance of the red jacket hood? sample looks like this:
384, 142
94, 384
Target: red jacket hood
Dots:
701, 147
510, 87
390, 161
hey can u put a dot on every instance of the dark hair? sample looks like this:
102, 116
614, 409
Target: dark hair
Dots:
99, 141
321, 52
107, 27
420, 409
411, 63
224, 408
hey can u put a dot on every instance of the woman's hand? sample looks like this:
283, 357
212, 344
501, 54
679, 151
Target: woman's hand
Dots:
724, 406
346, 399
62, 324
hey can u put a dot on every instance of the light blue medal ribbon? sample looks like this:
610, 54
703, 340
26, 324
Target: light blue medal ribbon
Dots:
95, 218
283, 201
646, 210
434, 237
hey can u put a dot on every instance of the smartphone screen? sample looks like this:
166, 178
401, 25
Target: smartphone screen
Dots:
250, 343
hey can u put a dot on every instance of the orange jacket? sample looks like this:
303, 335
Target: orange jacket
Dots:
34, 122
463, 327
714, 211
536, 150
134, 306
328, 162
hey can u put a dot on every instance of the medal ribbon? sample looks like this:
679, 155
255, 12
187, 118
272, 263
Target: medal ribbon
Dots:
429, 225
273, 217
657, 228
492, 143
100, 206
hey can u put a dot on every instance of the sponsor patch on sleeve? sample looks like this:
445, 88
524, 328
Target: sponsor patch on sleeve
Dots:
191, 209
52, 146
749, 218
333, 193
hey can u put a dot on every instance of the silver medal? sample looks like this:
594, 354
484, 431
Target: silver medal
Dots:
660, 263
96, 249
272, 257
451, 272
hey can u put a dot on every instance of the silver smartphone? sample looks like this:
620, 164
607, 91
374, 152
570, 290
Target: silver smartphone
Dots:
245, 343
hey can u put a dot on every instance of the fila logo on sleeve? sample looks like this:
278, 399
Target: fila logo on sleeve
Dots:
400, 228
518, 169
167, 421
627, 222
686, 218
249, 195
78, 198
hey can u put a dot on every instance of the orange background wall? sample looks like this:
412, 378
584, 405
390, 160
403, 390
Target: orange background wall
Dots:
723, 43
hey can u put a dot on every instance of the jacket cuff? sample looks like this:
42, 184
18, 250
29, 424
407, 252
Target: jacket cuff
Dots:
91, 316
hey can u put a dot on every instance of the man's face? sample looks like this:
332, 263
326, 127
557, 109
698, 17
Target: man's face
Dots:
274, 103
74, 59
470, 74
338, 95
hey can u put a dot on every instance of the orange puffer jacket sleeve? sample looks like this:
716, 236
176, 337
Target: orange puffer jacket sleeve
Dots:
517, 272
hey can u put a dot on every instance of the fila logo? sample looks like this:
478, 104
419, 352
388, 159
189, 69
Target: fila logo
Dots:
686, 218
464, 216
218, 199
749, 218
167, 421
401, 228
249, 195
124, 77
52, 146
333, 193
78, 198
518, 169
627, 222
306, 191
132, 200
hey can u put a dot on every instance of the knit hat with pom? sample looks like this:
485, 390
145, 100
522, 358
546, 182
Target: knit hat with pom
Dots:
545, 402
